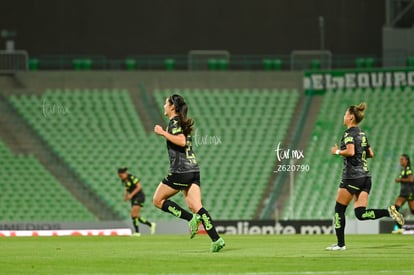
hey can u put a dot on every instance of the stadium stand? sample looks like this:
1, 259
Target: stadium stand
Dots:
30, 193
96, 131
388, 123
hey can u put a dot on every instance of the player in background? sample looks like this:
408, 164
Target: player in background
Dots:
134, 194
184, 174
356, 178
406, 179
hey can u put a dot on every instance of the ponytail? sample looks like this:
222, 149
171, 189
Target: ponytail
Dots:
181, 109
358, 111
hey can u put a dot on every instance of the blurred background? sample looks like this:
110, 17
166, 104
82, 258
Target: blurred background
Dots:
82, 83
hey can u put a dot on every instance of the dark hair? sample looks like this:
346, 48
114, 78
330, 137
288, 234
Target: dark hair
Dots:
181, 108
407, 158
358, 111
122, 170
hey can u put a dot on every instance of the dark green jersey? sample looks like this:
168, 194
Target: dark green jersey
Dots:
405, 172
357, 165
182, 159
131, 183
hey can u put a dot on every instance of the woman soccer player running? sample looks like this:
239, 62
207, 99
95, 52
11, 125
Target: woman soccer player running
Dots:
184, 174
406, 179
356, 179
135, 194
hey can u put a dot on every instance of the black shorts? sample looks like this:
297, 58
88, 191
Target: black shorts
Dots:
182, 181
356, 186
138, 200
407, 191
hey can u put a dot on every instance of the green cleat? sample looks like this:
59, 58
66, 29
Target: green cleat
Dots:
193, 223
217, 245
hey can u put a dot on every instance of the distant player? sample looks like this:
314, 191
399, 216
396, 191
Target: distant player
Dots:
406, 179
356, 178
184, 172
135, 194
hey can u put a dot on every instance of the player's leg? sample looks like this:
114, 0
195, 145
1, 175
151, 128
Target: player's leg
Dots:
343, 198
140, 202
193, 200
372, 214
135, 209
161, 201
361, 211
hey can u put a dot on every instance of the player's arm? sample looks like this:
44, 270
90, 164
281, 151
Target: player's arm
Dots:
138, 188
408, 179
179, 139
348, 152
126, 195
370, 152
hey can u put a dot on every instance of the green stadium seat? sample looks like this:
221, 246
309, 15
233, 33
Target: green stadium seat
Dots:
277, 64
33, 64
315, 64
130, 64
360, 62
223, 64
212, 64
410, 61
169, 64
369, 62
267, 64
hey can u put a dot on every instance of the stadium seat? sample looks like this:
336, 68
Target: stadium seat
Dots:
410, 61
33, 64
130, 64
223, 64
267, 64
169, 64
360, 62
315, 64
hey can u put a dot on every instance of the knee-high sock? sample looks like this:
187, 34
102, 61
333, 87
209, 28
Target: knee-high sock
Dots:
135, 223
340, 223
144, 221
363, 214
176, 210
208, 224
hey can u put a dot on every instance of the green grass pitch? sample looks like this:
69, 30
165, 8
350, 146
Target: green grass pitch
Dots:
243, 254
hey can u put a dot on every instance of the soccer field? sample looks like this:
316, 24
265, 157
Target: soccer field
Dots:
243, 254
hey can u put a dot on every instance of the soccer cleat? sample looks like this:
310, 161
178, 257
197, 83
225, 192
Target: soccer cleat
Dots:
395, 215
193, 223
217, 245
398, 231
335, 247
136, 234
153, 226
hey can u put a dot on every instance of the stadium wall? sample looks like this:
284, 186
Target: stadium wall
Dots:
38, 81
242, 227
